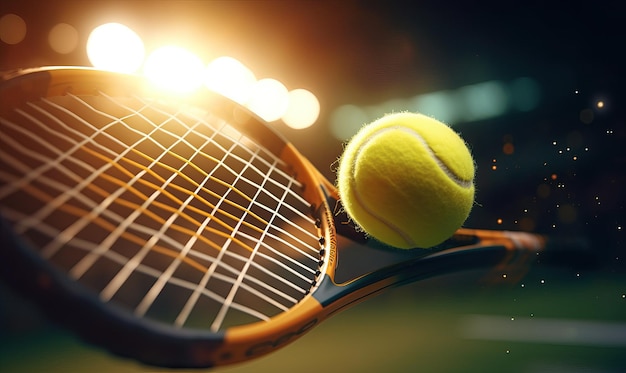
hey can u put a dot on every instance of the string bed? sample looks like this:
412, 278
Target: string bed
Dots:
169, 212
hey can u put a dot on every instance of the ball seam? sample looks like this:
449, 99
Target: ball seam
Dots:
456, 179
404, 236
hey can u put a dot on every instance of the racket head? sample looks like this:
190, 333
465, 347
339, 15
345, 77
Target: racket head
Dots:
144, 222
283, 218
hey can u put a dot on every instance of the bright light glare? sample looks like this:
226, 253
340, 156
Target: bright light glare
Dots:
269, 99
175, 69
115, 47
231, 78
303, 109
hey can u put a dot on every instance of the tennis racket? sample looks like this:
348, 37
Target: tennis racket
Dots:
184, 232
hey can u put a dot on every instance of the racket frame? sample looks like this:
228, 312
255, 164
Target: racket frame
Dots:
162, 345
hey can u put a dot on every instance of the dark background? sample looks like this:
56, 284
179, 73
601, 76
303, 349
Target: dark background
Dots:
368, 52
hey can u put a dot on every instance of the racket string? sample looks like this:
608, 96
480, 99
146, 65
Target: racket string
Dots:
146, 229
219, 319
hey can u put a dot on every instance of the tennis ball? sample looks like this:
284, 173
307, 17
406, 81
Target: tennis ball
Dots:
407, 180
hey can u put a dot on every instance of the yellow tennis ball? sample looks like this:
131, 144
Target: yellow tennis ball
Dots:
407, 180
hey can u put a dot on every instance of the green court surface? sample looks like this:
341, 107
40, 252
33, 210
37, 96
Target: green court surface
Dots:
550, 321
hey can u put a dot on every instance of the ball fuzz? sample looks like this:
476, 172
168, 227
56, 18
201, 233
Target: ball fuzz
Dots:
407, 180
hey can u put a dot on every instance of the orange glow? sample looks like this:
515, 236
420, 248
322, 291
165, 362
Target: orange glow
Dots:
508, 148
63, 38
12, 29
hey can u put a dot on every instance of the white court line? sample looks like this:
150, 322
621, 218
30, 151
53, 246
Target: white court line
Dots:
543, 330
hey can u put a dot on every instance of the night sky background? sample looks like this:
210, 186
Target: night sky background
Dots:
557, 169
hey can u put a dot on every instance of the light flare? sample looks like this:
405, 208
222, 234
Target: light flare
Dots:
231, 78
174, 69
269, 99
115, 47
303, 109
